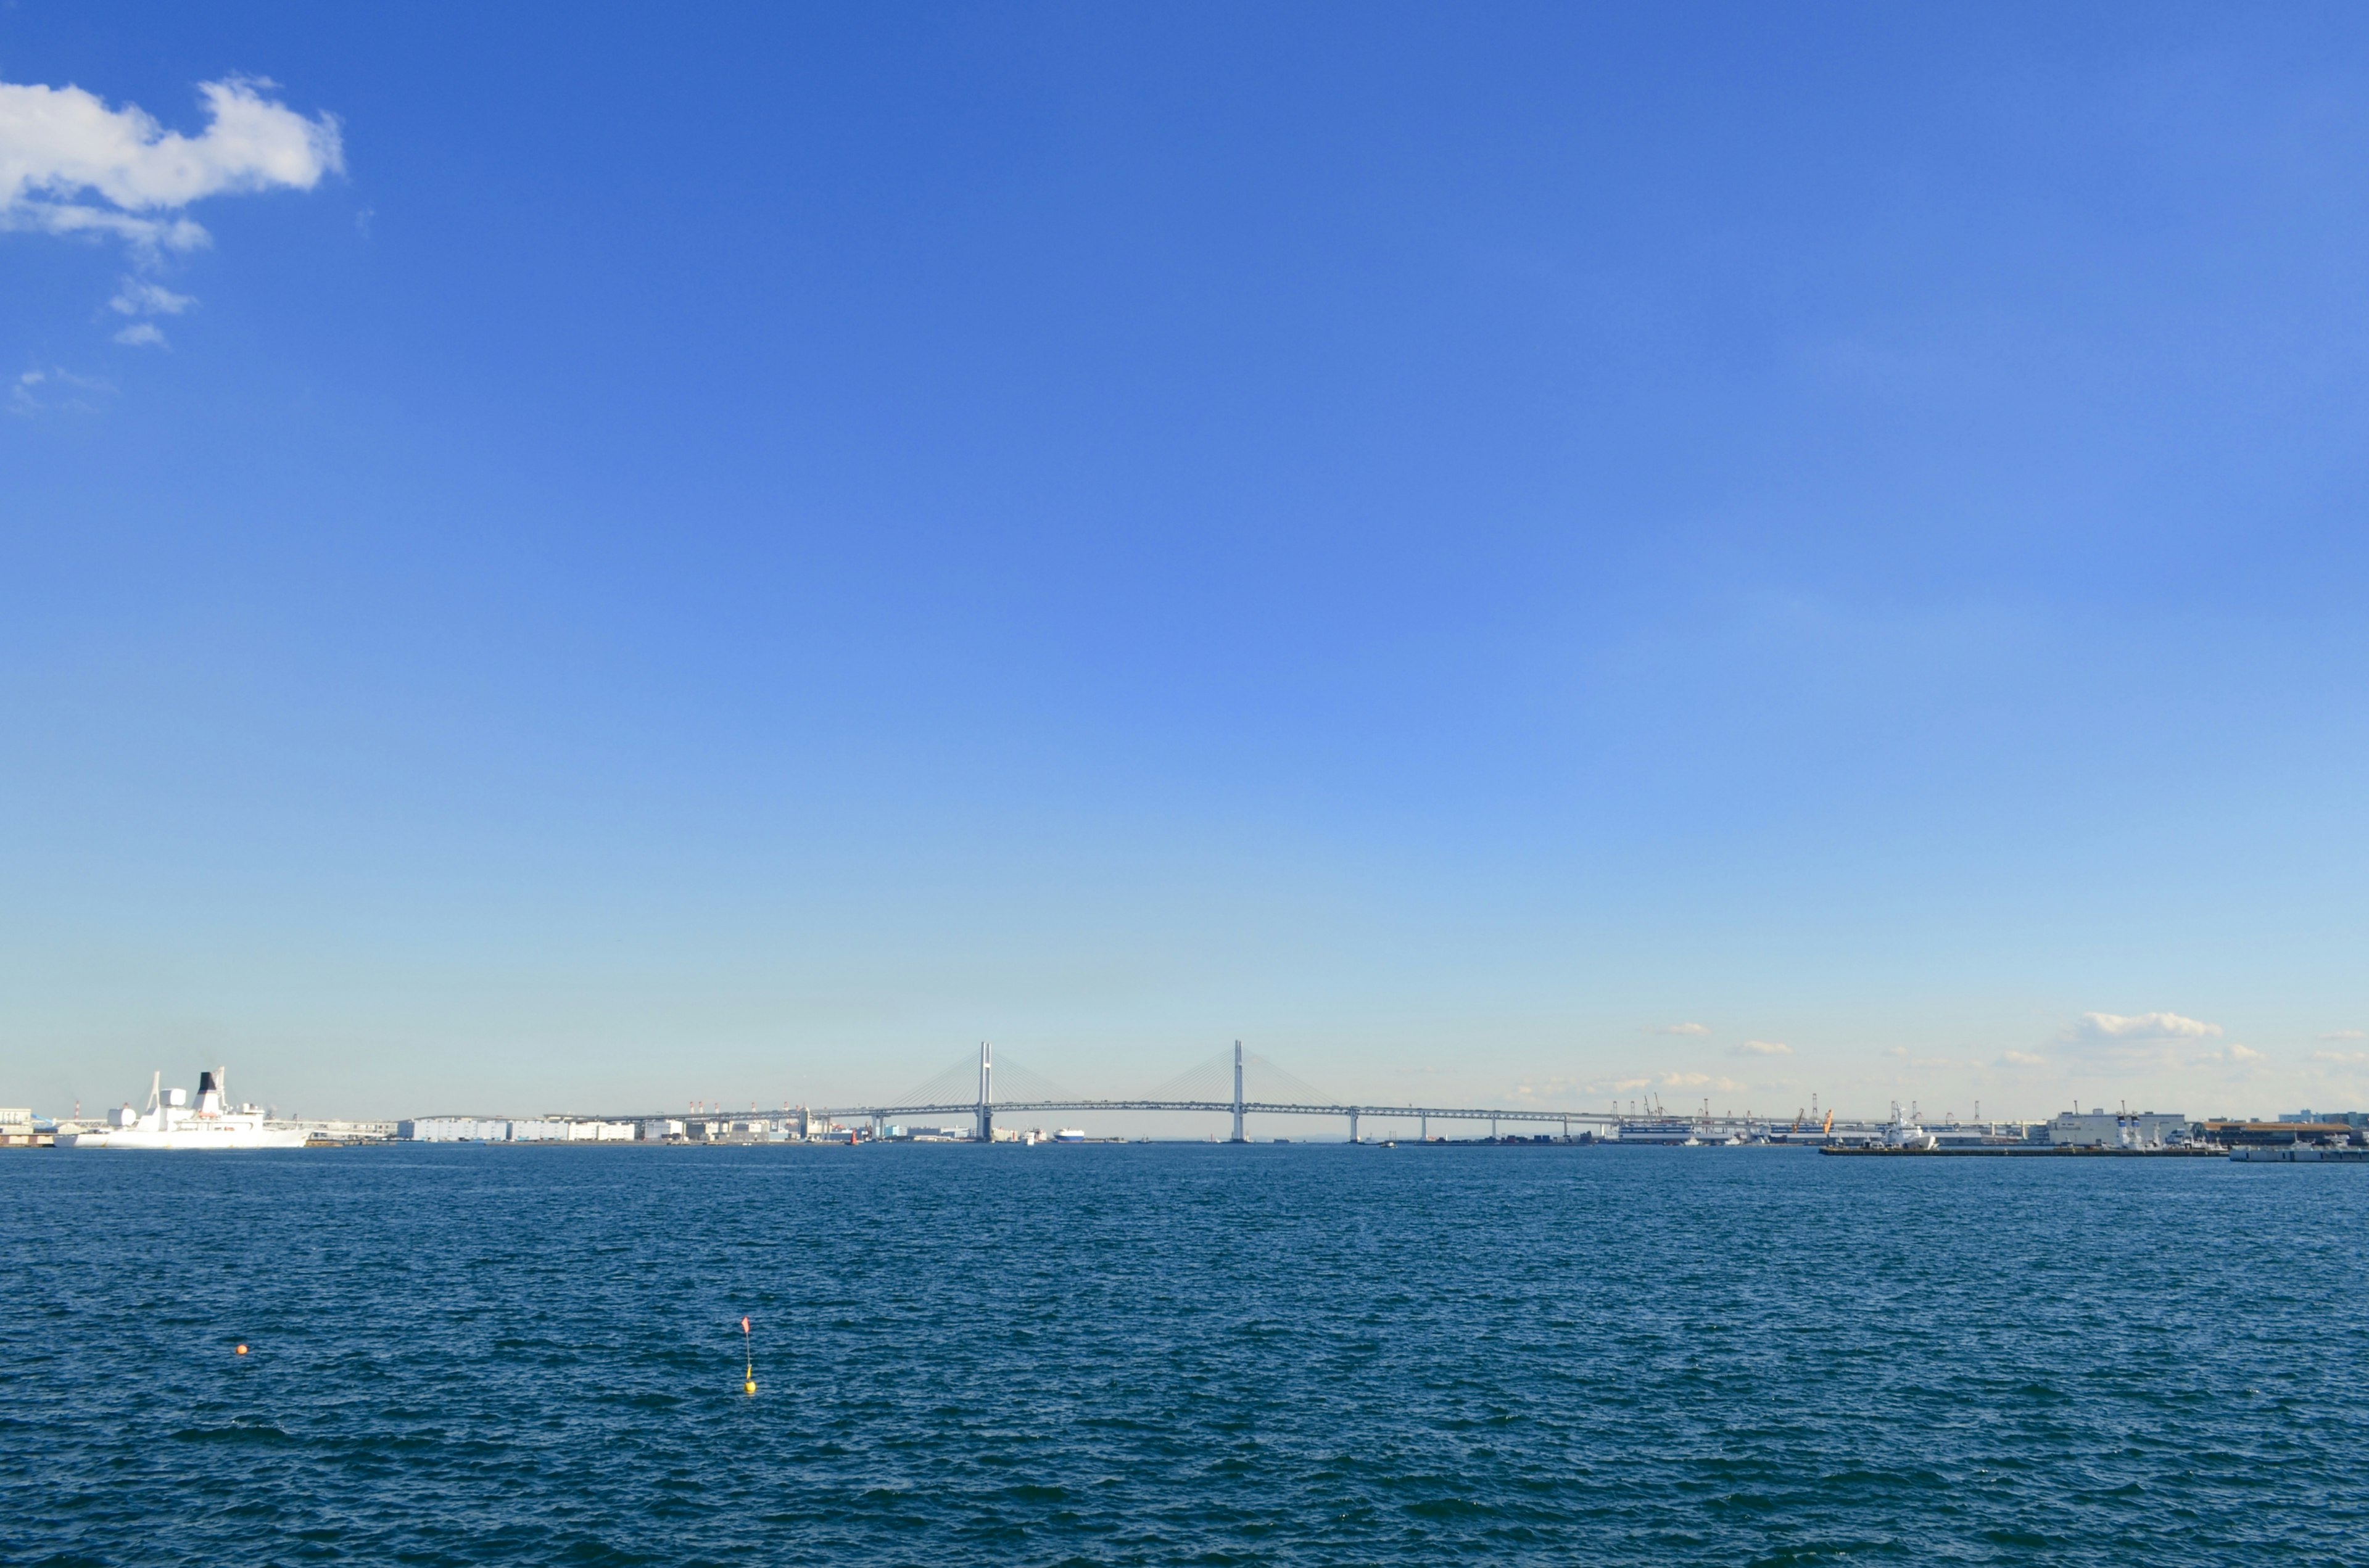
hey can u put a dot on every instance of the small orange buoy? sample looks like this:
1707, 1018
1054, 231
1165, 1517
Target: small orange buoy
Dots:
240, 1351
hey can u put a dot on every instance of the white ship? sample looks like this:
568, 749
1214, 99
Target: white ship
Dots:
1904, 1132
171, 1122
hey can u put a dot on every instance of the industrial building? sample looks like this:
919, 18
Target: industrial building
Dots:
2280, 1134
2118, 1129
454, 1130
493, 1129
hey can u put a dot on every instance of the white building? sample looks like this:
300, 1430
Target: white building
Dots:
600, 1132
568, 1129
2117, 1130
454, 1130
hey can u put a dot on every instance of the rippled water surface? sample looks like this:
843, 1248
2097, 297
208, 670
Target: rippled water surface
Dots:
1179, 1353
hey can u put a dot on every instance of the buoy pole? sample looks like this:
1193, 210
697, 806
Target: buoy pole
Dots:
749, 1355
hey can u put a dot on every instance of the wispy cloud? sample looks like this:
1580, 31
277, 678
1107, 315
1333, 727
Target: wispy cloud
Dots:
1701, 1081
2144, 1027
1681, 1079
1762, 1048
2346, 1035
2022, 1058
38, 390
2158, 1040
1680, 1029
137, 296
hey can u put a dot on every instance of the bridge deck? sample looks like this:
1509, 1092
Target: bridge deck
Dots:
1286, 1108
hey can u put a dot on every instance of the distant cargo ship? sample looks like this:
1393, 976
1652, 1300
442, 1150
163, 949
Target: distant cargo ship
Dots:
170, 1122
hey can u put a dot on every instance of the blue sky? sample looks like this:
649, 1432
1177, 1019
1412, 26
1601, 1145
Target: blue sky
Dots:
734, 555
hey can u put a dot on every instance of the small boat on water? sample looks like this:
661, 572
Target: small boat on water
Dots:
171, 1122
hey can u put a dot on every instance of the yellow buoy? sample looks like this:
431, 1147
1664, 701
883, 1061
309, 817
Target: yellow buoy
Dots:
240, 1351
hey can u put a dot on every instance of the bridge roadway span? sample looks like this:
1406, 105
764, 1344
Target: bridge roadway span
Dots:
1225, 1108
1719, 1127
985, 1105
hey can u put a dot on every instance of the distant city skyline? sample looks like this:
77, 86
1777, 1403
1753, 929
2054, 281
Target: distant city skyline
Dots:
1515, 557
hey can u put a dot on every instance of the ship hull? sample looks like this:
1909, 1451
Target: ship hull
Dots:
185, 1139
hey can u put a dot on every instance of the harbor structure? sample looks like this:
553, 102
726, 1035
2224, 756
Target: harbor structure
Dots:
2280, 1134
2357, 1120
2118, 1129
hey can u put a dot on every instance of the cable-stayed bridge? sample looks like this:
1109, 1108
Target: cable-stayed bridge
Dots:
981, 1089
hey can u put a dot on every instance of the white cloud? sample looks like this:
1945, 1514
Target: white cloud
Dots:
1699, 1080
2241, 1053
36, 391
1683, 1029
69, 164
1895, 1050
2023, 1058
2346, 1035
74, 218
2144, 1027
1762, 1048
58, 143
139, 298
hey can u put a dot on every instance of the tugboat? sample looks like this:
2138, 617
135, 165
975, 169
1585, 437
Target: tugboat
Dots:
171, 1122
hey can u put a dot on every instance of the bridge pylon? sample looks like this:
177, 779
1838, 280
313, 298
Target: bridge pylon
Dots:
1238, 1093
986, 1092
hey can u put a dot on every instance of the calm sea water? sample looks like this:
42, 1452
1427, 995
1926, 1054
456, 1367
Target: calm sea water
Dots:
1179, 1355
